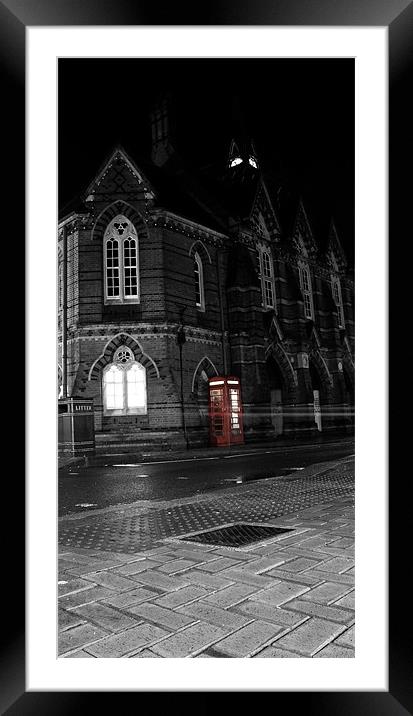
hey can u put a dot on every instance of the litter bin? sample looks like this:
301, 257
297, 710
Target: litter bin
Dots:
76, 427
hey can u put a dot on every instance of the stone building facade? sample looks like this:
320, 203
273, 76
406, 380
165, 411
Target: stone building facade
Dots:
149, 254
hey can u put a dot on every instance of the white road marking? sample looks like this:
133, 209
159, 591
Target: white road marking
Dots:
86, 504
128, 464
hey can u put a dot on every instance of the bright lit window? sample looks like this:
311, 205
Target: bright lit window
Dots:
306, 290
267, 278
121, 262
336, 288
124, 385
199, 283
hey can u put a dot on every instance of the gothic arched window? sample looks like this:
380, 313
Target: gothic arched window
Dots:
306, 290
267, 278
124, 385
121, 260
338, 300
199, 283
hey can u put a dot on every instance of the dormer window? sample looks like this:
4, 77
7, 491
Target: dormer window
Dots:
234, 162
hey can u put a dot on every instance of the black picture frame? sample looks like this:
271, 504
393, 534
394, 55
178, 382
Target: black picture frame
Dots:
397, 15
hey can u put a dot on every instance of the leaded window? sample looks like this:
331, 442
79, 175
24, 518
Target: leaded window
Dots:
199, 283
267, 278
121, 262
336, 288
306, 290
124, 385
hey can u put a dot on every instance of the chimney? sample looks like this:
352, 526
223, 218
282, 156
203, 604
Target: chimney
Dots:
162, 147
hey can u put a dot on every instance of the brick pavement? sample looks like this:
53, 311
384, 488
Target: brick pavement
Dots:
289, 596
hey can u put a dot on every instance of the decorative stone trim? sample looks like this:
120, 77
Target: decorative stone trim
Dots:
110, 212
321, 364
173, 222
106, 357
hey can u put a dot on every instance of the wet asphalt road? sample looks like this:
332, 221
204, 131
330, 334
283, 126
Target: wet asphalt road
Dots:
91, 488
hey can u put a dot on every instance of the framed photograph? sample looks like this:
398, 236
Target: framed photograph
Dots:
85, 74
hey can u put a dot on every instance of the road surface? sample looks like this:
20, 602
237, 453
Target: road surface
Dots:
91, 488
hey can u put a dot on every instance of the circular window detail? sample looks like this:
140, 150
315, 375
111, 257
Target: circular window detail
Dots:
123, 355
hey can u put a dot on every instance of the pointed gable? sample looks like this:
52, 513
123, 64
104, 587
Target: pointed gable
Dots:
302, 235
335, 255
263, 216
120, 178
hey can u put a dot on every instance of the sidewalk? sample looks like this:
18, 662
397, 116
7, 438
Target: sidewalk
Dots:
138, 589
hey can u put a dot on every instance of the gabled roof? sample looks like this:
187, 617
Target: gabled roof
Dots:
118, 154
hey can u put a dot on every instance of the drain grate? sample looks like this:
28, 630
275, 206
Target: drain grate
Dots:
237, 535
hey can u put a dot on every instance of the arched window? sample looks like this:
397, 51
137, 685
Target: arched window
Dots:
199, 283
336, 289
60, 286
267, 278
121, 257
306, 290
124, 385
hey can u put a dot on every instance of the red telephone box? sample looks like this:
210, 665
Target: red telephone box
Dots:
225, 411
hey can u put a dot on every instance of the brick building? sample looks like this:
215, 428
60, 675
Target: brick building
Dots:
254, 286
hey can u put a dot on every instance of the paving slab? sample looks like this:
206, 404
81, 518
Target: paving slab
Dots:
267, 612
332, 613
79, 636
326, 593
271, 652
85, 596
190, 641
348, 638
66, 620
183, 596
203, 611
280, 593
332, 651
134, 596
105, 616
213, 581
165, 618
231, 595
348, 601
248, 639
127, 641
310, 637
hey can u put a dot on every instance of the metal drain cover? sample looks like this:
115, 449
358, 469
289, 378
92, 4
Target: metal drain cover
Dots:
236, 535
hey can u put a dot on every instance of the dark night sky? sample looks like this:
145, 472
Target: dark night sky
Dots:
300, 113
